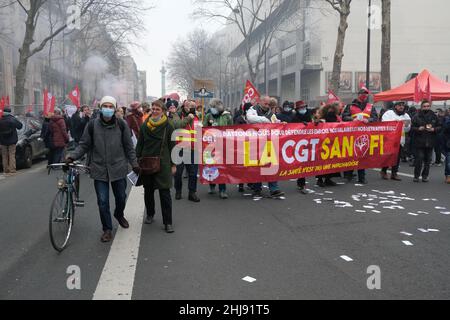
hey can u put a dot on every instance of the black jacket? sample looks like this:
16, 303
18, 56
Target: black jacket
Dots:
446, 133
77, 126
286, 117
8, 130
302, 118
347, 114
425, 139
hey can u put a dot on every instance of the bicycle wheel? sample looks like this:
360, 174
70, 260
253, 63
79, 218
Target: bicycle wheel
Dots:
61, 220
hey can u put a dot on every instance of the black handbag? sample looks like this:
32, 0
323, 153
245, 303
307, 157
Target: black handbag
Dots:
152, 165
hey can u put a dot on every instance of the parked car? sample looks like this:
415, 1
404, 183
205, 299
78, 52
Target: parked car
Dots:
30, 145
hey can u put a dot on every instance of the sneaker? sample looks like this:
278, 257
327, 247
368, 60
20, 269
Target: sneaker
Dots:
447, 180
178, 195
223, 195
363, 181
169, 228
384, 175
148, 219
106, 237
193, 197
330, 183
276, 194
425, 179
395, 177
241, 189
437, 164
302, 189
416, 180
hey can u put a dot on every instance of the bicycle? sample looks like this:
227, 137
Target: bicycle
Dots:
62, 211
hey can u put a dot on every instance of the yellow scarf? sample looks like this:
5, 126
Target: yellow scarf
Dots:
152, 125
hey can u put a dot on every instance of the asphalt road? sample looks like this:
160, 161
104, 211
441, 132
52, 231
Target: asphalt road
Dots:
292, 247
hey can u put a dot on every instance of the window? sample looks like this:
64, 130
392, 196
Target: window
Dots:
289, 58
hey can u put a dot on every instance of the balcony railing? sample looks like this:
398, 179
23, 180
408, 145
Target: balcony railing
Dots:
313, 62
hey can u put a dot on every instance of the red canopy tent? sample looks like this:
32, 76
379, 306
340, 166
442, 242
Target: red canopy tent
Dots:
440, 90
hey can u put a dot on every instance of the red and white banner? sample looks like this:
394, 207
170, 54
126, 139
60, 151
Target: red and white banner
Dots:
275, 152
74, 96
250, 93
49, 103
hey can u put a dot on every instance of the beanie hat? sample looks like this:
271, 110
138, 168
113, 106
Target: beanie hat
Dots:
108, 99
171, 103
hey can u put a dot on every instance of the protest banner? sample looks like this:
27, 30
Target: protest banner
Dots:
275, 152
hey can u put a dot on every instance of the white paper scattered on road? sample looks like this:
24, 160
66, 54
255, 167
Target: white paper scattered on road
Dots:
433, 230
407, 243
360, 211
249, 279
446, 213
369, 207
376, 211
329, 192
347, 258
406, 233
412, 214
440, 208
423, 230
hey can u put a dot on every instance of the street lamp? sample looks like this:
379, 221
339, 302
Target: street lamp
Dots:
368, 47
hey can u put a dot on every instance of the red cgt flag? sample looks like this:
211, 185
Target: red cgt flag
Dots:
74, 96
250, 93
332, 97
49, 103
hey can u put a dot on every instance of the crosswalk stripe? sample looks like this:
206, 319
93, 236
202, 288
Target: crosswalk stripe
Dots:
117, 279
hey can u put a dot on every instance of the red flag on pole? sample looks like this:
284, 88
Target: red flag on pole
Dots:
2, 106
49, 103
427, 93
250, 93
418, 92
332, 97
74, 96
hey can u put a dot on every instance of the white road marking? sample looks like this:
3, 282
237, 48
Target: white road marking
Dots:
407, 243
249, 279
347, 258
117, 279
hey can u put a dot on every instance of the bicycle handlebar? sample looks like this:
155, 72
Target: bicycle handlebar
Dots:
69, 165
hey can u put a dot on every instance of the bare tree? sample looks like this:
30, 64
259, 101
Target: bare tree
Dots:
250, 16
120, 19
343, 8
193, 58
386, 45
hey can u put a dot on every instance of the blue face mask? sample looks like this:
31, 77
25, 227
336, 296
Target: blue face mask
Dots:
214, 111
108, 113
302, 111
6, 113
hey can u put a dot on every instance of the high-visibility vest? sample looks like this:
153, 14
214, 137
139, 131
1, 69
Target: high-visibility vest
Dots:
356, 111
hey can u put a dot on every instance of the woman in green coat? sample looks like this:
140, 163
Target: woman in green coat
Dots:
155, 141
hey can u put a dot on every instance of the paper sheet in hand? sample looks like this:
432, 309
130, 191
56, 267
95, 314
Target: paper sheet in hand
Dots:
133, 177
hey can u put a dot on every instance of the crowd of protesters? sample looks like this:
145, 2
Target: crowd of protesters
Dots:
139, 134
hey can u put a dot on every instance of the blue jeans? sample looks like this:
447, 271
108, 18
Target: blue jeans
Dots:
55, 155
447, 163
273, 186
119, 190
